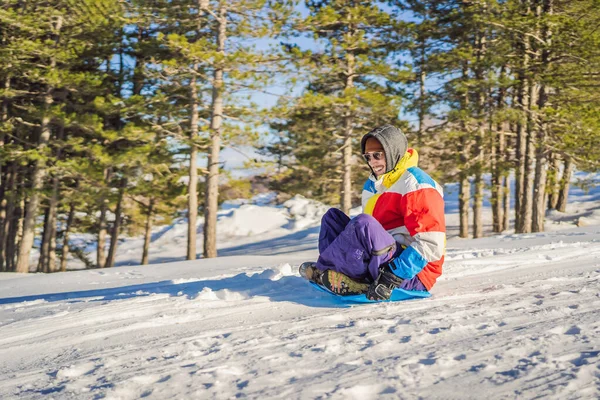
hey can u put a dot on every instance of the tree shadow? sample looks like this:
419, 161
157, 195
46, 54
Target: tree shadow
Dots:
291, 289
292, 243
300, 241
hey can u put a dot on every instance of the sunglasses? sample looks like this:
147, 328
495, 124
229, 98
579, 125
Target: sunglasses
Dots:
377, 155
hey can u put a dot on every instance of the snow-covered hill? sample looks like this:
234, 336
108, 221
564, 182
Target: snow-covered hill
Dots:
513, 316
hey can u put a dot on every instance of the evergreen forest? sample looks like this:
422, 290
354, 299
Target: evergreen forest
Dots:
114, 113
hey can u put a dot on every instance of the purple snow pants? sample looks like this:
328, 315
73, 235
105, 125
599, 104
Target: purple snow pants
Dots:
357, 247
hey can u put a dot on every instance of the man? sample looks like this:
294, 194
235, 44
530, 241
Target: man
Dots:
399, 239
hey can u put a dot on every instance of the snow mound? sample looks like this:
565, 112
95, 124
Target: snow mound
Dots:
239, 219
589, 220
304, 212
275, 274
251, 219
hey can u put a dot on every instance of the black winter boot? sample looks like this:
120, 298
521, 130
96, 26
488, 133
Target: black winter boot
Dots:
386, 281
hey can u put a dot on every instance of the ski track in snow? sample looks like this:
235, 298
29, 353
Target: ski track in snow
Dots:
511, 321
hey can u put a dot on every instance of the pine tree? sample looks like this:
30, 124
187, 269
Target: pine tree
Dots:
209, 54
53, 49
346, 95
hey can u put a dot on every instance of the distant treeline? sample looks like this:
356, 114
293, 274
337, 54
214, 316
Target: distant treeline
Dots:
107, 106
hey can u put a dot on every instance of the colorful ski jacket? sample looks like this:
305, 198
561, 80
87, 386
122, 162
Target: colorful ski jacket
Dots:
410, 206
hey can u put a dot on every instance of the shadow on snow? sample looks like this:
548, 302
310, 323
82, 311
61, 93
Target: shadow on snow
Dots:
294, 242
291, 243
290, 289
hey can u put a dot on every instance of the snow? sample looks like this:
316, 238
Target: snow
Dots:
513, 316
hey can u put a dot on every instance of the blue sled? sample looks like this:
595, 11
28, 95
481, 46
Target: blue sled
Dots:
397, 295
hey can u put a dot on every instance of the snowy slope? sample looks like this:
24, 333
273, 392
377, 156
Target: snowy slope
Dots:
513, 316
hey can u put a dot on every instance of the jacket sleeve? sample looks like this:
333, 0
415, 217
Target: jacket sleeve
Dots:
367, 194
423, 211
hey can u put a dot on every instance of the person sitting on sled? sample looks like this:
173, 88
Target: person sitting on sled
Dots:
399, 239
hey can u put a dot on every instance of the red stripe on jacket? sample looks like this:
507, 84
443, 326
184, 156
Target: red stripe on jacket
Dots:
424, 211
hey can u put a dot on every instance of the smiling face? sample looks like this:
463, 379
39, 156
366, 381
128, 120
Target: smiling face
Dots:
372, 145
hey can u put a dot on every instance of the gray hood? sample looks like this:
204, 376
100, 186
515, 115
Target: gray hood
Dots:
393, 141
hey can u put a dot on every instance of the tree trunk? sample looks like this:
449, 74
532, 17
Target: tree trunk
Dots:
498, 165
541, 168
3, 224
37, 181
532, 123
464, 184
102, 233
9, 208
478, 205
148, 233
478, 181
347, 147
555, 182
102, 225
212, 181
521, 149
15, 225
347, 176
510, 141
527, 198
52, 223
463, 204
522, 136
496, 197
3, 186
45, 244
506, 203
49, 235
193, 172
114, 237
3, 119
21, 216
65, 248
541, 171
565, 182
53, 205
480, 139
